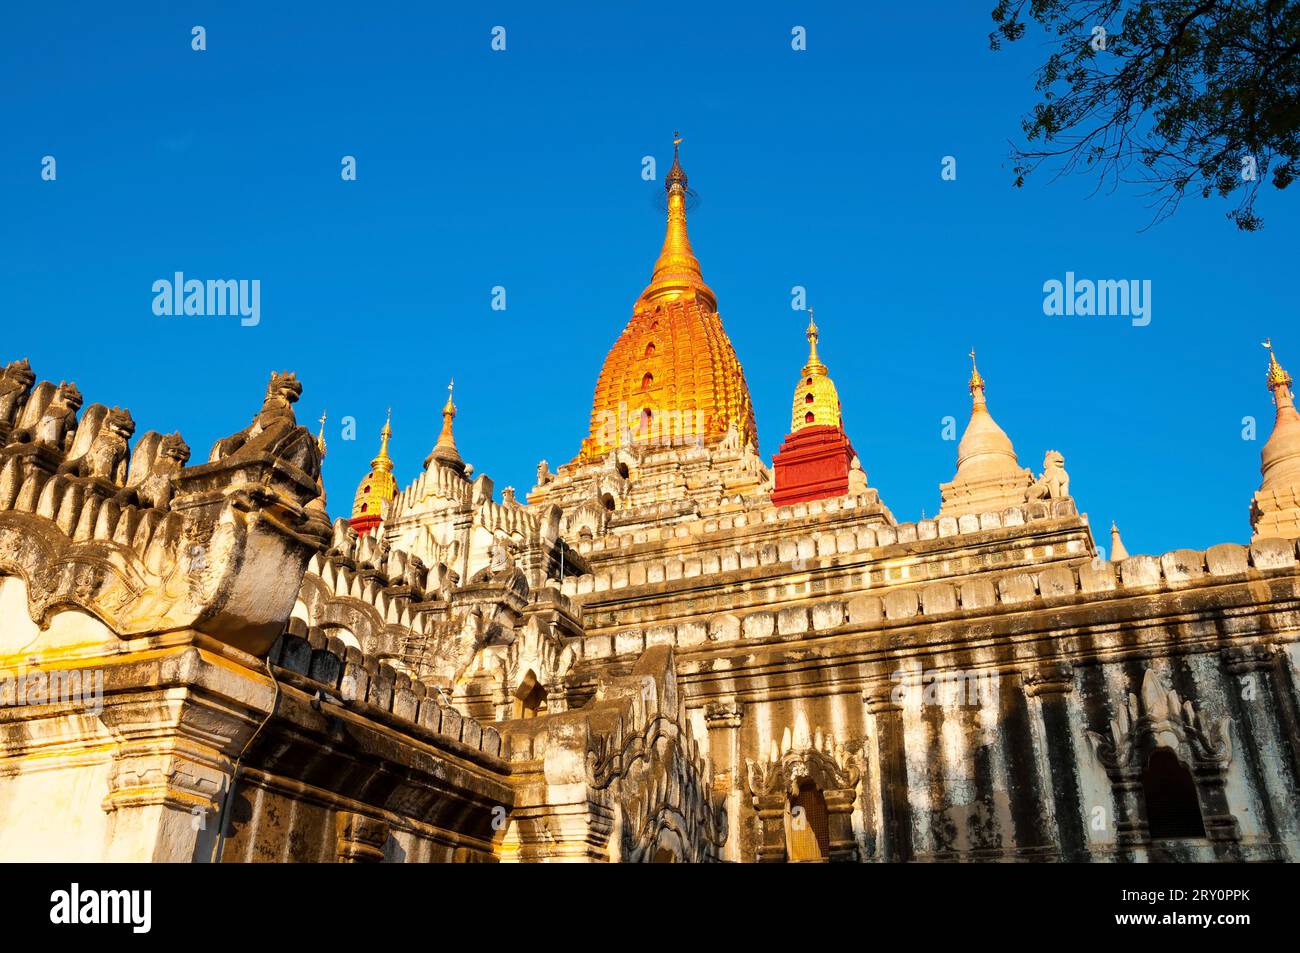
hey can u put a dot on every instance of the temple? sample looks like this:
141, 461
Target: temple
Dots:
666, 650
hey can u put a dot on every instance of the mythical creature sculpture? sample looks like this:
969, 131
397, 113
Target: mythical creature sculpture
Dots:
544, 474
731, 439
157, 460
15, 386
106, 457
274, 430
58, 423
1054, 482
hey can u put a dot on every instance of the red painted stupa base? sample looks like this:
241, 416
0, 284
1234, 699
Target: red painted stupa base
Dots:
812, 464
364, 524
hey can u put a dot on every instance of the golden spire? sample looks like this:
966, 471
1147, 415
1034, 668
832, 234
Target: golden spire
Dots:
320, 437
379, 485
445, 450
677, 271
816, 401
383, 461
1277, 375
976, 382
814, 365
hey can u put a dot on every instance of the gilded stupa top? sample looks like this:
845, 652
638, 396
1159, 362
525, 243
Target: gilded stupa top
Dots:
816, 401
379, 485
672, 377
677, 270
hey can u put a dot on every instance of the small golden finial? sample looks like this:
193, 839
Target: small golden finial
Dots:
1277, 375
676, 174
976, 381
382, 460
449, 407
814, 365
320, 437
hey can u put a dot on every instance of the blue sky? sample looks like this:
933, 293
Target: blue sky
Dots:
522, 168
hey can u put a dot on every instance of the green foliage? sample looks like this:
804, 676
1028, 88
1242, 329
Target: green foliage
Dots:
1178, 95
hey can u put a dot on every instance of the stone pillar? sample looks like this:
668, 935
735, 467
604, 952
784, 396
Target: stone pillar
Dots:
771, 828
173, 765
723, 720
896, 812
839, 811
1221, 827
1262, 705
1133, 836
1052, 684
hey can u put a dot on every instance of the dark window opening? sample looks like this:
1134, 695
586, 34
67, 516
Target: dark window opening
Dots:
1173, 809
808, 417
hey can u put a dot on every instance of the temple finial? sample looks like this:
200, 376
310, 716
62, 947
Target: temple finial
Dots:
976, 381
1277, 375
814, 365
1117, 549
677, 270
1274, 510
384, 436
445, 449
320, 437
676, 174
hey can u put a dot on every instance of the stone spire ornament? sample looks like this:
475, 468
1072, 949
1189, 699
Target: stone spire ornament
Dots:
1275, 510
319, 502
1117, 549
989, 476
444, 451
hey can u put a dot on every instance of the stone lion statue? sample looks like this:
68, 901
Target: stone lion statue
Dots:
274, 430
1054, 482
15, 384
106, 457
